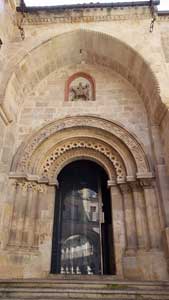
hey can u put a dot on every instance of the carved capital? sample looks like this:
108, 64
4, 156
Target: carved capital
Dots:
111, 183
125, 188
135, 186
25, 186
147, 183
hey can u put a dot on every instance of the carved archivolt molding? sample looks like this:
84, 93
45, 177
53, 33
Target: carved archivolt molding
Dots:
85, 148
22, 159
77, 154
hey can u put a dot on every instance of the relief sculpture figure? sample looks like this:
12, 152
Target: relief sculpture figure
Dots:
81, 91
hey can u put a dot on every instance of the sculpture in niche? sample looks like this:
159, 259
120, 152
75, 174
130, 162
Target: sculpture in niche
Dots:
80, 87
80, 92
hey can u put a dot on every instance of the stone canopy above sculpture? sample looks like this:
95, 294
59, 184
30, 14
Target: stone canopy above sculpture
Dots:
80, 87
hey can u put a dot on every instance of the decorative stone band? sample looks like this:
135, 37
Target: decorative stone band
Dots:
85, 145
26, 185
88, 15
22, 177
24, 155
147, 182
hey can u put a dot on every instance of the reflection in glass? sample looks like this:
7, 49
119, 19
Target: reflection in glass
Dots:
80, 246
82, 232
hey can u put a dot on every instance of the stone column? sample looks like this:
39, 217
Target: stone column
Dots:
31, 214
46, 221
118, 226
36, 225
21, 211
152, 213
12, 229
12, 197
130, 220
141, 216
17, 222
27, 223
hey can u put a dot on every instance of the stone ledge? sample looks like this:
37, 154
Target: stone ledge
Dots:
87, 15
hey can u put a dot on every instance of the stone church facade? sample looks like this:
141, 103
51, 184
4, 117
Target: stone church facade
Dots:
88, 84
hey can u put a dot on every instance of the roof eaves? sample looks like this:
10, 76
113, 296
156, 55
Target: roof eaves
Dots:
163, 12
29, 9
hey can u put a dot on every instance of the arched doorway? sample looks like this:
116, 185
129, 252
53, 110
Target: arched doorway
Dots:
82, 233
39, 166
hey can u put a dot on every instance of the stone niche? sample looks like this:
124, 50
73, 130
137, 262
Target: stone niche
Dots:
80, 87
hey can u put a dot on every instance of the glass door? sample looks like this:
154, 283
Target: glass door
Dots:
79, 219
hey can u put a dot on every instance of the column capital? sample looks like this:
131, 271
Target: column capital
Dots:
125, 188
111, 183
26, 186
54, 182
147, 183
135, 186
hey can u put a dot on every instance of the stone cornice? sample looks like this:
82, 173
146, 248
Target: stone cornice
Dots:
163, 18
87, 15
32, 178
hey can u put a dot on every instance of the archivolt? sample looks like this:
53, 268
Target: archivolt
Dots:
84, 147
41, 153
88, 154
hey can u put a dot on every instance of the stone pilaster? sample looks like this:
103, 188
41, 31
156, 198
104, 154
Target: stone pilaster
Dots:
118, 225
130, 221
29, 230
19, 206
32, 216
152, 213
141, 216
12, 229
23, 221
161, 173
27, 223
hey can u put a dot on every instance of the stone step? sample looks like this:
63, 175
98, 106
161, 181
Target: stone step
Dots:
83, 288
116, 297
81, 294
84, 284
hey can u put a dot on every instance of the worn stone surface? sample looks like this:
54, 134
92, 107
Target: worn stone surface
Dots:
121, 123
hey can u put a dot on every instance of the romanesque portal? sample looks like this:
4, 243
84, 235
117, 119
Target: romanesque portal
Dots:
85, 93
126, 216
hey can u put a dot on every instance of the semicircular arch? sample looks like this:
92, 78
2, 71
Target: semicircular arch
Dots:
98, 48
50, 146
80, 154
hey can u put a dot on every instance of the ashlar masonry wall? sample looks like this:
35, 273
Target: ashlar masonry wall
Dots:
116, 100
33, 94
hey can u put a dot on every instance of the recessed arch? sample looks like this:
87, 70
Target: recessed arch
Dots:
83, 75
98, 48
89, 155
51, 151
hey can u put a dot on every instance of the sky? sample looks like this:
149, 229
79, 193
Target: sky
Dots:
164, 4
